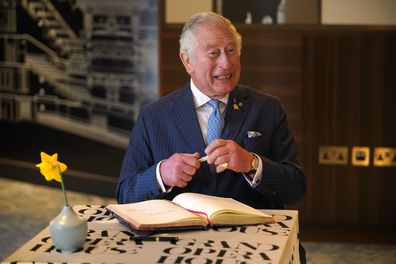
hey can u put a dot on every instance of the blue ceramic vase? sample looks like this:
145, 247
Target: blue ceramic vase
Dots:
68, 230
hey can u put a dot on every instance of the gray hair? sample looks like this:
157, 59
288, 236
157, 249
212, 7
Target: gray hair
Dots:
188, 41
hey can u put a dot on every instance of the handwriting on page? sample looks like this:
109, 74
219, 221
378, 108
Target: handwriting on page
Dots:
157, 213
150, 212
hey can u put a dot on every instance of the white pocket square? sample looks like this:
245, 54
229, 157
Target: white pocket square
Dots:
252, 134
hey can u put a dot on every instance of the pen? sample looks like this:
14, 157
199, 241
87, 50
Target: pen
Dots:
155, 238
225, 165
203, 159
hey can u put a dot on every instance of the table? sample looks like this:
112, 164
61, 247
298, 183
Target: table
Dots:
108, 242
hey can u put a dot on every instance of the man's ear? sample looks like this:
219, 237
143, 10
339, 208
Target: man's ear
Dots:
186, 62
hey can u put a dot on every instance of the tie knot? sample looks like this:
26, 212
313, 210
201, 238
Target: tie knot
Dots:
214, 103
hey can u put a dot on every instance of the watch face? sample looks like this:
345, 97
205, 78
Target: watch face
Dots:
255, 163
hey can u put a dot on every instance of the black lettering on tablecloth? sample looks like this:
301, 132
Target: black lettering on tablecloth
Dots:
96, 243
282, 224
276, 229
281, 217
109, 233
210, 251
94, 213
200, 251
186, 250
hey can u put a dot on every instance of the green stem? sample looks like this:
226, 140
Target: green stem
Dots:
63, 187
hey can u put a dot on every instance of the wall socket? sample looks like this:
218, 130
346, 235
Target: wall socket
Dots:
384, 157
360, 156
334, 155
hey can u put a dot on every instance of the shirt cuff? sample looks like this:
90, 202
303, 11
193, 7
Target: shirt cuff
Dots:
258, 175
160, 184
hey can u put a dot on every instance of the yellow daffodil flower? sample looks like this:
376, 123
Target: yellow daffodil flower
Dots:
50, 167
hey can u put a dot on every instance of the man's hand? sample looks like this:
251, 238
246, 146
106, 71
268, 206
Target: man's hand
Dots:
179, 169
227, 154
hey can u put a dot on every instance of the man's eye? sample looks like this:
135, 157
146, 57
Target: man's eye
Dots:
213, 53
231, 50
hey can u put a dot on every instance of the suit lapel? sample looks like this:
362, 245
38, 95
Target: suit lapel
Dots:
237, 111
186, 120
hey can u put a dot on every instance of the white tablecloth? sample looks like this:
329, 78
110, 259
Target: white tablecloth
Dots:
108, 242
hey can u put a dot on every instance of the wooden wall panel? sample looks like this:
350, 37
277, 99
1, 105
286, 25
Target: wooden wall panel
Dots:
338, 86
349, 93
272, 63
172, 73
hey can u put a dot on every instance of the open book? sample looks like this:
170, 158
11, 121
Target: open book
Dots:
187, 210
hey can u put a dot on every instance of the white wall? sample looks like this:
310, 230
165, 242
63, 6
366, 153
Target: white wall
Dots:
359, 12
179, 11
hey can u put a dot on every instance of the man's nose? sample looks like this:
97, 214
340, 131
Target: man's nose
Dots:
224, 61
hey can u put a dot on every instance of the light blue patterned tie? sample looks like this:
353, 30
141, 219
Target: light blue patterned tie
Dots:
215, 122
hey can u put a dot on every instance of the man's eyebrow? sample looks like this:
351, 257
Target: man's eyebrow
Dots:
208, 46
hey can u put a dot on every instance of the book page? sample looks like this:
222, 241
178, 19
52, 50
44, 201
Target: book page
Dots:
212, 205
152, 212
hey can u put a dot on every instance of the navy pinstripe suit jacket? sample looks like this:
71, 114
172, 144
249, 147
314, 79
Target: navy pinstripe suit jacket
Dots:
170, 125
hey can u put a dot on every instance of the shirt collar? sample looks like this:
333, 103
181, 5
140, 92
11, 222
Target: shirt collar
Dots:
200, 98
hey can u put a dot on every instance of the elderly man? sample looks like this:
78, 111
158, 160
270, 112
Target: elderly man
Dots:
213, 135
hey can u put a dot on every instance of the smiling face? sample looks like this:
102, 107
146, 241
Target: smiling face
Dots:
214, 64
